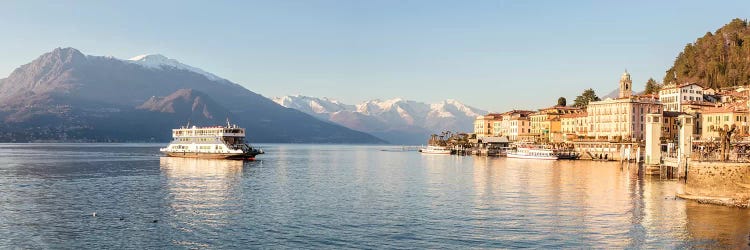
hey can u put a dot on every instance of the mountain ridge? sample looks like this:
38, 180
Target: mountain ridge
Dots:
67, 92
397, 120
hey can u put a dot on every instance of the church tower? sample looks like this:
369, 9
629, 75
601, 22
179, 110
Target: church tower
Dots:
626, 85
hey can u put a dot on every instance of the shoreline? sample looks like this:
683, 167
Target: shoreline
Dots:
722, 201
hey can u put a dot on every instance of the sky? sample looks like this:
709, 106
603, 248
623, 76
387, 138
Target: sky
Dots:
494, 55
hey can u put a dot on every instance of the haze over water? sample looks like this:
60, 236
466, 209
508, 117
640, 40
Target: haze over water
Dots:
341, 196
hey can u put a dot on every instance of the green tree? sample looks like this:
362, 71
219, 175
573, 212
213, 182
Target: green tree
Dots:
652, 87
582, 101
562, 101
715, 60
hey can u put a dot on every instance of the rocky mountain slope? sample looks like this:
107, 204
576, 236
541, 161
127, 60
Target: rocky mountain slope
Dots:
71, 96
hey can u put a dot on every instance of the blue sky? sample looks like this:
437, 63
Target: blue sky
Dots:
495, 55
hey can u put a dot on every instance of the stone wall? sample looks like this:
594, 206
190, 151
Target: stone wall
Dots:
718, 180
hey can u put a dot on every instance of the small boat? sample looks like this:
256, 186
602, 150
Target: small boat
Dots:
534, 153
435, 150
215, 142
568, 155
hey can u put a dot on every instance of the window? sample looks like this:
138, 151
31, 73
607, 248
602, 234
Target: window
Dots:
726, 118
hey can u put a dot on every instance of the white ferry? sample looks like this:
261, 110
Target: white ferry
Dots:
215, 142
435, 150
534, 153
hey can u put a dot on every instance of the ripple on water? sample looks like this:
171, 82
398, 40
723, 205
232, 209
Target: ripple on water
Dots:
328, 196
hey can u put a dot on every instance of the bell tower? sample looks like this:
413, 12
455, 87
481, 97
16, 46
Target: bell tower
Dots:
626, 85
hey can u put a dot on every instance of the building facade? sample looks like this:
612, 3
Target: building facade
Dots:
574, 126
723, 117
519, 125
621, 119
545, 124
484, 126
674, 97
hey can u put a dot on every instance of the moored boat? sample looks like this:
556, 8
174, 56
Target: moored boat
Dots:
534, 153
437, 150
216, 142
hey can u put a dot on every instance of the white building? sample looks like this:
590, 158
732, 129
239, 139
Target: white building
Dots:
674, 97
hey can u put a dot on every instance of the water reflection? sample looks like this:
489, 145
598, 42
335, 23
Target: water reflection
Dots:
715, 226
329, 196
202, 192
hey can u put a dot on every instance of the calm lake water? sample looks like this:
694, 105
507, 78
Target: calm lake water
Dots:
324, 196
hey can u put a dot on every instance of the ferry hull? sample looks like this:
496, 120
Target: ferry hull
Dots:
211, 155
436, 152
532, 157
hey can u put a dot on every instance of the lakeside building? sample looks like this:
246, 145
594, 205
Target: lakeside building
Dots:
516, 122
622, 118
509, 124
718, 117
673, 97
574, 126
546, 125
484, 126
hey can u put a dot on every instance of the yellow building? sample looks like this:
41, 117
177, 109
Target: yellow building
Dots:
717, 117
545, 124
509, 124
518, 123
574, 126
484, 126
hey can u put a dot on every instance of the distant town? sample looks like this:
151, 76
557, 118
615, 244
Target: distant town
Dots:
622, 119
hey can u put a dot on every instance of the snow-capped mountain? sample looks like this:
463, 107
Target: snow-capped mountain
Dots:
73, 96
157, 61
318, 107
396, 120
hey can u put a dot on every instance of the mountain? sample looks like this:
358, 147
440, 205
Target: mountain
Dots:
66, 95
395, 120
191, 105
614, 94
715, 60
318, 107
160, 62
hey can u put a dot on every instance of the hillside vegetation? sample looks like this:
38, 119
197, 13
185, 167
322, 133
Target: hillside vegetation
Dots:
715, 60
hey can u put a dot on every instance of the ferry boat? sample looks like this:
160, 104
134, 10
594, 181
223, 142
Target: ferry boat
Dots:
217, 142
435, 150
534, 153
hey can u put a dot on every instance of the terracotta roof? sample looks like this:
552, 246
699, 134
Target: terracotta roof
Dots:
671, 86
673, 113
515, 111
574, 115
735, 108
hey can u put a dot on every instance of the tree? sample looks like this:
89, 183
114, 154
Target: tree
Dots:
716, 60
588, 95
562, 101
652, 87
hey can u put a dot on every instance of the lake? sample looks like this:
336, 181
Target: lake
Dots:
342, 196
